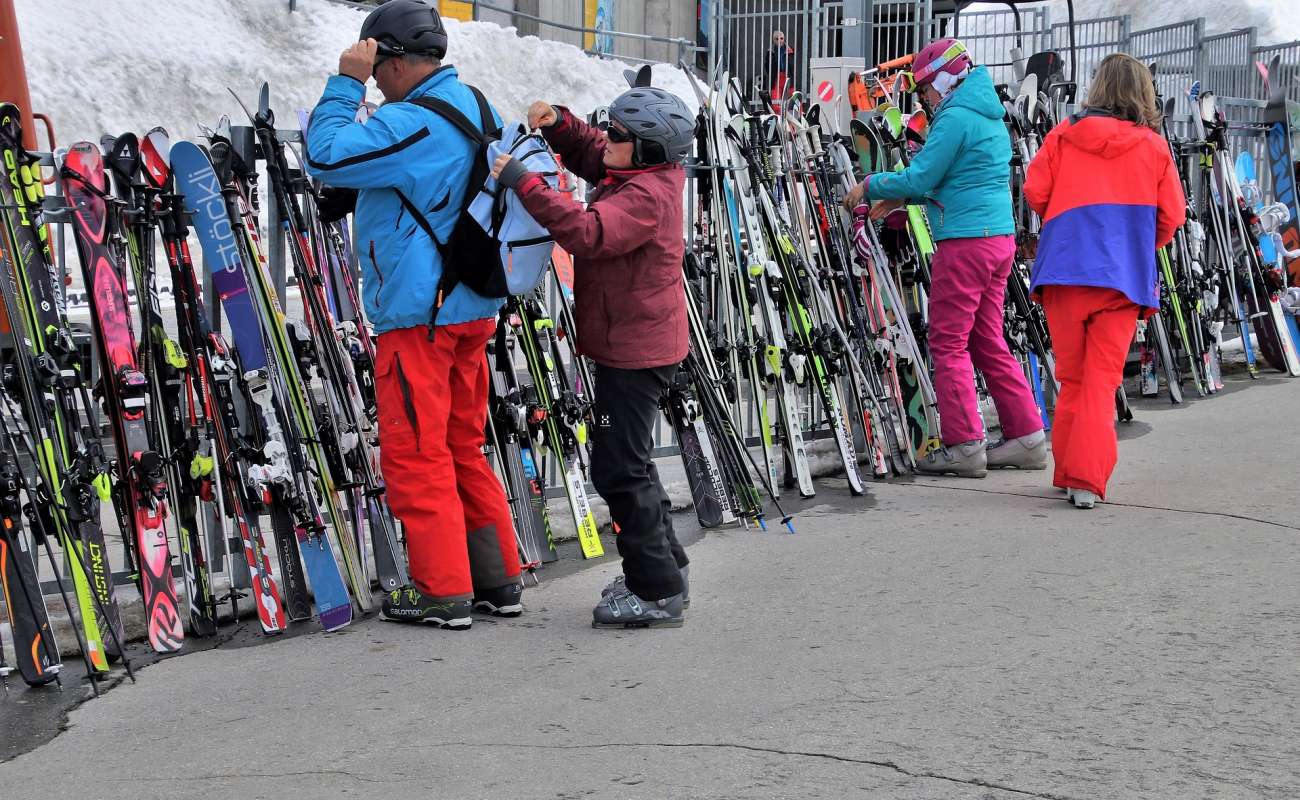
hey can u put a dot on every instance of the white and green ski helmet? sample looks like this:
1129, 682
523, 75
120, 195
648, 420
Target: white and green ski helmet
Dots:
406, 27
661, 124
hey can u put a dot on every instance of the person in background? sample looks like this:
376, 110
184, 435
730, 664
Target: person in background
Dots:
777, 69
630, 305
859, 97
963, 175
1108, 192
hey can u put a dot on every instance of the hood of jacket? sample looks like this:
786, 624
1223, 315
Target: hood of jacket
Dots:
1100, 133
976, 93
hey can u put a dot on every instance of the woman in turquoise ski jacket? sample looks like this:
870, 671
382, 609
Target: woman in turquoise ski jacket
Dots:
962, 175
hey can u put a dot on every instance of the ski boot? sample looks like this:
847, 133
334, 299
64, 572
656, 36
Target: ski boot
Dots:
622, 609
501, 601
1024, 452
966, 460
1082, 498
409, 604
621, 581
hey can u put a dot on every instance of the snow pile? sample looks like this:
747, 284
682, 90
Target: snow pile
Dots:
117, 65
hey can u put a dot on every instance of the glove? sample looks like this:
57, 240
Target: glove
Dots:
336, 203
512, 173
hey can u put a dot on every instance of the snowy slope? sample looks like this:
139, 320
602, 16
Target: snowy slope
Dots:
1277, 20
99, 66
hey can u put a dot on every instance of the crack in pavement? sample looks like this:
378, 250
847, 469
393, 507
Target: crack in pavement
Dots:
889, 765
1223, 514
229, 776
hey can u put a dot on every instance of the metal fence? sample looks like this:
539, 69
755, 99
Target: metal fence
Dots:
1174, 52
743, 41
1222, 59
1289, 74
1094, 39
900, 27
998, 38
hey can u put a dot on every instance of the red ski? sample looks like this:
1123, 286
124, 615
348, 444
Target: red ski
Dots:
141, 491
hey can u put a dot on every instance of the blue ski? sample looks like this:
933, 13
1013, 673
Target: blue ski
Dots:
198, 182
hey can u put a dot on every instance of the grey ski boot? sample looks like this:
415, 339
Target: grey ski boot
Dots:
1023, 452
621, 581
622, 609
966, 460
1082, 498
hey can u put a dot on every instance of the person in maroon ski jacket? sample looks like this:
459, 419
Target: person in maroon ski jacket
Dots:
630, 305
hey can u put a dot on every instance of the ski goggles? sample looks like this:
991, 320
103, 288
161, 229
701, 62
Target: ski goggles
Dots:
600, 120
926, 72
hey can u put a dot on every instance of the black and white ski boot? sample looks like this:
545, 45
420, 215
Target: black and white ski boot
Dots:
501, 601
621, 581
409, 604
622, 609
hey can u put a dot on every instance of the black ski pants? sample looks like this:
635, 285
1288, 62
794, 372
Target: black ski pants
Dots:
623, 472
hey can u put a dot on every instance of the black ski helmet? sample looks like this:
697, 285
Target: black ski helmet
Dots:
660, 122
406, 27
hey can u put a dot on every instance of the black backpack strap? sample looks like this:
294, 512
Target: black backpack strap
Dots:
479, 136
453, 115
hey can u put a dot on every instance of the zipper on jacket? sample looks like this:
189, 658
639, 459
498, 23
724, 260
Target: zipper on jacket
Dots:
407, 400
375, 263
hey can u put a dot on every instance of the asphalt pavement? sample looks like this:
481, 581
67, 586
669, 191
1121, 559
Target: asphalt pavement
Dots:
936, 638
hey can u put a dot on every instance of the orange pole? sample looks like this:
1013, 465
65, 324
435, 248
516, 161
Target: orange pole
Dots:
13, 73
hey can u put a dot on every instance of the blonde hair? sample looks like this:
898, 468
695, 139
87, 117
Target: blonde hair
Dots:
1124, 87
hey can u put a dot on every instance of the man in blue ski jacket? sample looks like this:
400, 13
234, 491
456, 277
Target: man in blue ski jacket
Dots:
411, 169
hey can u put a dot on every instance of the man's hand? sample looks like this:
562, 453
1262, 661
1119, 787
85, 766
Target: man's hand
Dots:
882, 209
854, 197
358, 61
541, 114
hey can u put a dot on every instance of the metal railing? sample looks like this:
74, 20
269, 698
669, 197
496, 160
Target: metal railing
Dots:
675, 48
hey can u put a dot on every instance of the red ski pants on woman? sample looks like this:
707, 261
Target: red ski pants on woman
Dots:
432, 399
1091, 329
967, 287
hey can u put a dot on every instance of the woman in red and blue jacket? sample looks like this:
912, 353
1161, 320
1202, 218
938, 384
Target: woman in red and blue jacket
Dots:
1109, 196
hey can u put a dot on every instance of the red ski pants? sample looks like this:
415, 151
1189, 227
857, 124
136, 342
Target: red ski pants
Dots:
433, 400
1091, 329
967, 287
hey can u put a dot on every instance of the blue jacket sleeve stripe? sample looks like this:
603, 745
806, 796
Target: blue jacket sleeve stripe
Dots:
362, 158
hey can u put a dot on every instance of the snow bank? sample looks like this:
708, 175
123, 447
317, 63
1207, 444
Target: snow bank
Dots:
110, 66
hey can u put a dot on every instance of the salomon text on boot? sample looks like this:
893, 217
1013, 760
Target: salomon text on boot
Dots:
409, 604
